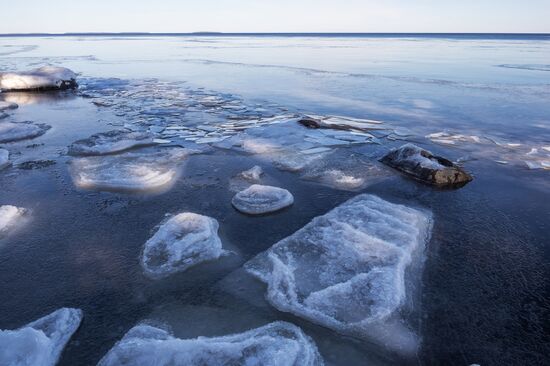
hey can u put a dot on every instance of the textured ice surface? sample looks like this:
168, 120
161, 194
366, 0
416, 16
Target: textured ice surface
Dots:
41, 342
253, 174
7, 105
111, 142
47, 77
412, 154
144, 171
258, 199
183, 241
10, 216
275, 344
10, 131
346, 269
4, 158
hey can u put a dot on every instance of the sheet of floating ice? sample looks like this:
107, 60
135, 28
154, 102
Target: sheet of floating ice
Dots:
446, 138
253, 174
4, 158
346, 270
111, 142
7, 105
258, 199
143, 171
10, 217
47, 77
183, 241
41, 342
10, 131
275, 344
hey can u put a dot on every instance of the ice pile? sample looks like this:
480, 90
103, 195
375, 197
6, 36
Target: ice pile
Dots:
275, 344
10, 131
4, 158
47, 77
183, 241
111, 142
259, 199
10, 217
41, 342
7, 105
132, 172
346, 270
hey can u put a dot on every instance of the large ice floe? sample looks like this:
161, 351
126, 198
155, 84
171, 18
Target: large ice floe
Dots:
41, 342
181, 242
131, 171
349, 270
43, 78
10, 218
10, 131
259, 199
275, 344
111, 142
4, 158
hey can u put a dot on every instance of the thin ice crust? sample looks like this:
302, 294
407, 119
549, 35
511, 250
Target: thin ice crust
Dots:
275, 344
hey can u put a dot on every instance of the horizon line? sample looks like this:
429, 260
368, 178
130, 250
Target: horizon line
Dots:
213, 33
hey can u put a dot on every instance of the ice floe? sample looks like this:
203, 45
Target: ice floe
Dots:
41, 342
47, 77
111, 142
347, 270
131, 171
11, 131
259, 199
253, 174
341, 123
183, 241
10, 218
4, 158
275, 344
7, 105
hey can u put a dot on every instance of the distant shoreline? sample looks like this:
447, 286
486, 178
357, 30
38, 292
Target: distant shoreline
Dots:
320, 35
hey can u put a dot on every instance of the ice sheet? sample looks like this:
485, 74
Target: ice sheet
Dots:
10, 131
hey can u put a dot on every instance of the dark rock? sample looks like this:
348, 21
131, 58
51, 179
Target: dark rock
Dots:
310, 122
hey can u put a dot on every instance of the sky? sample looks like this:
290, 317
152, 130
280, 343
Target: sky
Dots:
61, 16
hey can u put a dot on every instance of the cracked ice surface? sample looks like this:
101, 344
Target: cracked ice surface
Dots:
275, 344
183, 241
259, 199
144, 171
111, 142
10, 131
41, 342
10, 216
47, 77
346, 269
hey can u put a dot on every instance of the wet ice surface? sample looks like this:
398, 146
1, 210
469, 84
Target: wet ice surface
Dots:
40, 342
274, 344
483, 289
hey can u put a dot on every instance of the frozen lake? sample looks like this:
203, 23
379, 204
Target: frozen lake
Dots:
197, 111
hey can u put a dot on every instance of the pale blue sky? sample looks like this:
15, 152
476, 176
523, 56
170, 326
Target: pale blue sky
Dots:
275, 16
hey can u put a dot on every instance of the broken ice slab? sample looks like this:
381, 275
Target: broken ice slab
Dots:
7, 105
275, 344
351, 270
446, 138
340, 123
15, 131
183, 241
111, 142
316, 150
259, 199
4, 158
41, 342
44, 78
129, 172
10, 218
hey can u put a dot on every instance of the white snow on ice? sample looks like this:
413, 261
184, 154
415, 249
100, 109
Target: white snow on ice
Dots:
258, 199
43, 77
275, 344
41, 342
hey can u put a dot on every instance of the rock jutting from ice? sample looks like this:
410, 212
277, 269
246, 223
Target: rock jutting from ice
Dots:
41, 342
346, 270
44, 78
426, 167
275, 344
111, 142
183, 241
4, 158
253, 174
129, 172
10, 217
10, 131
7, 105
258, 199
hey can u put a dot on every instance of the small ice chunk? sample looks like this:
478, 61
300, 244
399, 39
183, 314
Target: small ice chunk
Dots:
316, 150
10, 131
111, 142
4, 158
41, 342
7, 105
253, 174
258, 199
275, 344
347, 269
183, 241
10, 217
47, 77
129, 171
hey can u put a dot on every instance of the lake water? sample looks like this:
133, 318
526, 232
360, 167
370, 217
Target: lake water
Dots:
482, 295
